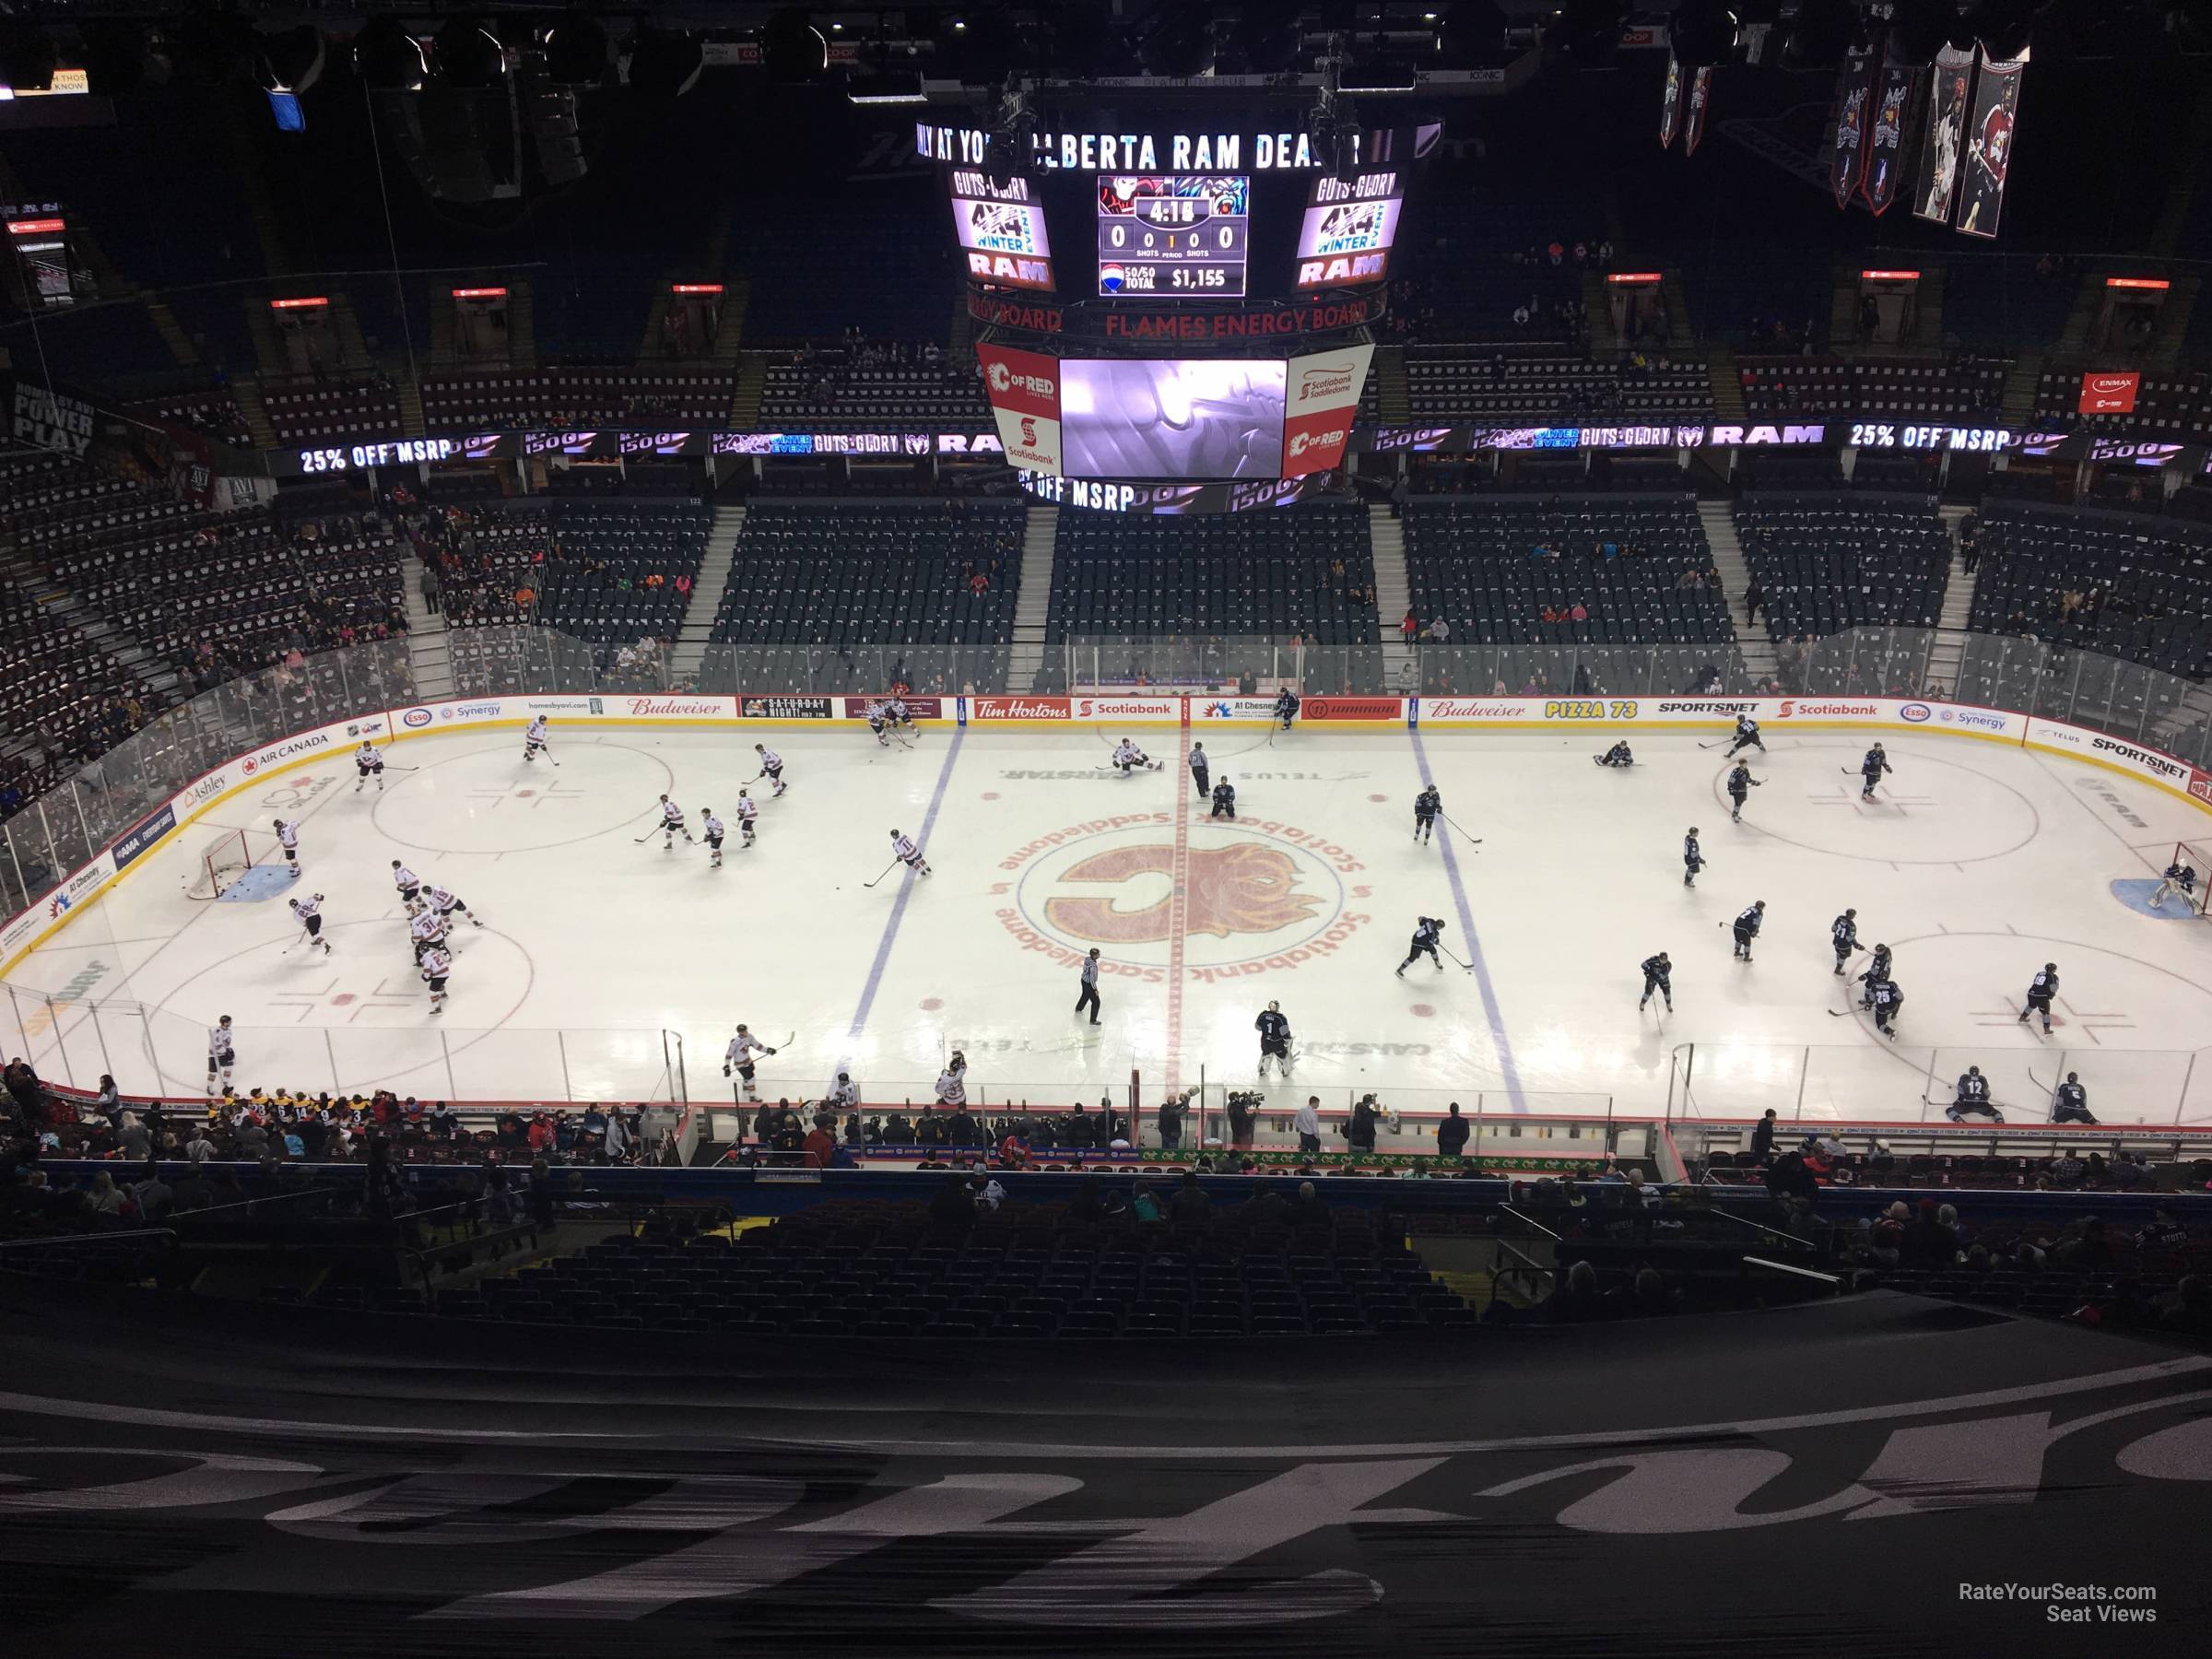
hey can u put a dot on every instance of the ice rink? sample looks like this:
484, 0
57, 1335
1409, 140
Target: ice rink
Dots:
1980, 863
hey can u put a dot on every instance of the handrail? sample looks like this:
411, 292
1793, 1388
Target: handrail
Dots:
1530, 1221
98, 1237
1827, 1278
1772, 1233
1525, 1266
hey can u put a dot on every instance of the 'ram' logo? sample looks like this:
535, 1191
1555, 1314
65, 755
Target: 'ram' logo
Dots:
1244, 887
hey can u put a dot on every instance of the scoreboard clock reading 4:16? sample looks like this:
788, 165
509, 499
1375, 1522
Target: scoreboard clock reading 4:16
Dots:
1172, 236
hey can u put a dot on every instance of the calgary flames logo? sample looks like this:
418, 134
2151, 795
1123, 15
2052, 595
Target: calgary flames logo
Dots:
1244, 887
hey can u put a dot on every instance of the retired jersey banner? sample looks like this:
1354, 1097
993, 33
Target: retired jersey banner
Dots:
1896, 108
1854, 90
1939, 152
1989, 145
1700, 98
1670, 104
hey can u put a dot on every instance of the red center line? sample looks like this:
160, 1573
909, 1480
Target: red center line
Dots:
1179, 909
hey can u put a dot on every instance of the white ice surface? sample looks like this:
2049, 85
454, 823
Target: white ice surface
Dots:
1980, 863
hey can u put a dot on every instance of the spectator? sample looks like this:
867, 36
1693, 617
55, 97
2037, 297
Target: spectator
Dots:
1171, 1121
1190, 1208
1309, 1210
1359, 1128
106, 1200
1243, 1115
1574, 1299
822, 1140
1307, 1124
1266, 1208
1762, 1139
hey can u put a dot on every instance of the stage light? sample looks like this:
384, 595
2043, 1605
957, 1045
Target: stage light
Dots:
466, 55
387, 56
289, 61
1703, 32
575, 47
663, 63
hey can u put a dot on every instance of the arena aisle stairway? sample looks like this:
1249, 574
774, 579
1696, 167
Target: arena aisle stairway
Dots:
1393, 593
1957, 608
698, 626
1032, 604
1728, 559
430, 653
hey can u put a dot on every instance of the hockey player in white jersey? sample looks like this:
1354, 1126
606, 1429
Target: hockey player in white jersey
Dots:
908, 853
308, 912
426, 928
772, 766
287, 838
899, 714
710, 832
1128, 758
221, 1057
407, 881
446, 903
879, 724
845, 1095
435, 967
748, 809
738, 1057
534, 738
368, 764
672, 825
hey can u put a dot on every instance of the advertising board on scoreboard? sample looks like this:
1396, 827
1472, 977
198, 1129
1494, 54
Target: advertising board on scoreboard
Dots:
1351, 224
1001, 230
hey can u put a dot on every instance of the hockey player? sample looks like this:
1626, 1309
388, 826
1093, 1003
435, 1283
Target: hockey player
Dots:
534, 738
1426, 932
1740, 785
1225, 800
952, 1087
899, 714
771, 768
2070, 1102
1973, 1099
1746, 737
1199, 764
221, 1056
709, 832
446, 903
368, 764
908, 853
426, 928
1870, 770
1275, 1039
1746, 928
435, 968
287, 838
1693, 859
407, 881
747, 810
672, 825
308, 912
1286, 707
1877, 971
1425, 806
1658, 976
739, 1056
845, 1095
2179, 879
1843, 934
1087, 997
877, 724
1128, 758
1888, 1003
1618, 755
2041, 990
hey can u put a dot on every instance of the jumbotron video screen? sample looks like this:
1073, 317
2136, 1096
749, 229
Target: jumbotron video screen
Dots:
1174, 235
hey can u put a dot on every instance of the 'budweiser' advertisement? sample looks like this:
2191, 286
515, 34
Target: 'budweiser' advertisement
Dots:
688, 707
1020, 708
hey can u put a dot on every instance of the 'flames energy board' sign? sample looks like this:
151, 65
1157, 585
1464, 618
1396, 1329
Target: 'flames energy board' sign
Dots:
1174, 236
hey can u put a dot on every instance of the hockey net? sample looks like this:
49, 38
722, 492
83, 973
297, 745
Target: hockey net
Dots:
2197, 857
219, 862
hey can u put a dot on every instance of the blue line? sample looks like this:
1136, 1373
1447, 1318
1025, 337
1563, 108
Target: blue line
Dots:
1467, 923
906, 888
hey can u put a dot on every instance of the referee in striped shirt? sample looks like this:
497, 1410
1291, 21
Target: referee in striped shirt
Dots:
1089, 999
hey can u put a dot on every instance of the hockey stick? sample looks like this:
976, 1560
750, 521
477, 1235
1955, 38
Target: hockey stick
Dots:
1716, 742
888, 869
1468, 966
1472, 841
2046, 1088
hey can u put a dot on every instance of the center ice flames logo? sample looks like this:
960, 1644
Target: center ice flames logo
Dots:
1240, 889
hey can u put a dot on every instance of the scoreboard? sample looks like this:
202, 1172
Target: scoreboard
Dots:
1171, 236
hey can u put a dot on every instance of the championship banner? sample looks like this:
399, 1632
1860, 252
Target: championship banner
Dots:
1670, 103
1700, 96
1989, 145
1896, 104
1024, 388
1321, 398
1946, 139
2108, 394
1854, 90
